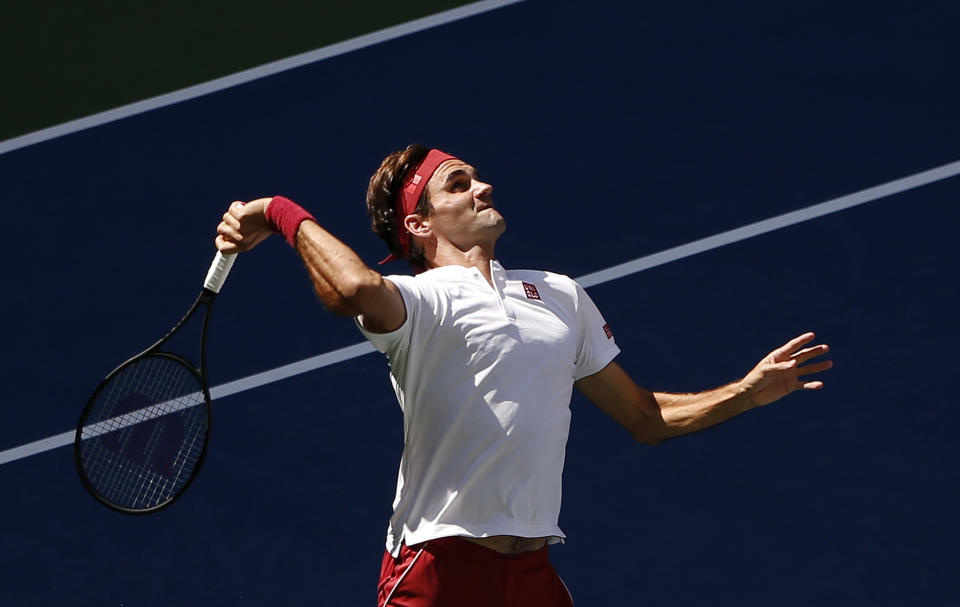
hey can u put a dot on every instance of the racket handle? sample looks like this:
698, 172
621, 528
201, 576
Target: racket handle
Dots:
217, 274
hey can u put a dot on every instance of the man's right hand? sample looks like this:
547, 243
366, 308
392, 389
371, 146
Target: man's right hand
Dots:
244, 226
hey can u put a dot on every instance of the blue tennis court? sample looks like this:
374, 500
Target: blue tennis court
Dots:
610, 132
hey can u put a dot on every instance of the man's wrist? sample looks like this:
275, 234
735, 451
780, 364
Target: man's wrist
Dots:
742, 396
285, 217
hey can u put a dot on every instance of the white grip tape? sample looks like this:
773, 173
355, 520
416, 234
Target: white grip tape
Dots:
217, 274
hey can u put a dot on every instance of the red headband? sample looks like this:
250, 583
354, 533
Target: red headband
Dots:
408, 196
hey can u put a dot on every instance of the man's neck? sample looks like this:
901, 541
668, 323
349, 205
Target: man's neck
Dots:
477, 257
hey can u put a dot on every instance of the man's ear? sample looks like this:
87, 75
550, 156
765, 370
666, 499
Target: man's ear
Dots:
418, 226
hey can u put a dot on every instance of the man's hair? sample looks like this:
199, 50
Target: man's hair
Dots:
382, 194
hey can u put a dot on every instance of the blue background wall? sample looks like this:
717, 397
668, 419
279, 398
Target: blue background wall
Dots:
609, 131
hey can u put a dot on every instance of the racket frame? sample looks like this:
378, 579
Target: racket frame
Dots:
214, 280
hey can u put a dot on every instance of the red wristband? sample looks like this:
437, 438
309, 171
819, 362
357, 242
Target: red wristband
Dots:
285, 216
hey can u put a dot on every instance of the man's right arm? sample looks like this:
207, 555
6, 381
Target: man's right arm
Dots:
345, 284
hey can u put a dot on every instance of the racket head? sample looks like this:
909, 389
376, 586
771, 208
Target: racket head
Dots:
143, 434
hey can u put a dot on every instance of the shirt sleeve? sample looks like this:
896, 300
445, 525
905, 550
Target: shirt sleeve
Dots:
396, 341
597, 346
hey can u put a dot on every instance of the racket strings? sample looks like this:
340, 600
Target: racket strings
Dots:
145, 432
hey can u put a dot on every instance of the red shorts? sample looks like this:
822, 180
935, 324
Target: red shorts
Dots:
452, 572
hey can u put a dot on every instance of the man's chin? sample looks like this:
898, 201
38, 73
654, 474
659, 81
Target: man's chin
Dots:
501, 225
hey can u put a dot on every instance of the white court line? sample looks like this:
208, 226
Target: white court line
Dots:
769, 225
139, 416
269, 69
303, 366
637, 265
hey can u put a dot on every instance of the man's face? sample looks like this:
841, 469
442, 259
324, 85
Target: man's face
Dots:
463, 211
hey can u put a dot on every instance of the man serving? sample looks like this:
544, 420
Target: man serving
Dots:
483, 361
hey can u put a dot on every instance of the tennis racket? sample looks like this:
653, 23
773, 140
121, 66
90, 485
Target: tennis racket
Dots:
143, 434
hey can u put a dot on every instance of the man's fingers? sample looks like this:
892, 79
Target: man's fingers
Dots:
812, 385
226, 246
231, 220
791, 346
807, 353
243, 226
814, 368
795, 343
230, 232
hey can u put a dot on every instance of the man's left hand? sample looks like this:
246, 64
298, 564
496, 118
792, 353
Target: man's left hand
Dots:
783, 371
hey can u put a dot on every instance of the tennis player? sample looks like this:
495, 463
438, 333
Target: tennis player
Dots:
483, 361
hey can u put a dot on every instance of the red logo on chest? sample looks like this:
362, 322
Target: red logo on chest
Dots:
608, 331
530, 291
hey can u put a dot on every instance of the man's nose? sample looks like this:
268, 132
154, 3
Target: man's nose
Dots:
482, 190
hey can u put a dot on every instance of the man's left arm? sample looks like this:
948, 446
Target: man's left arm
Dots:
652, 417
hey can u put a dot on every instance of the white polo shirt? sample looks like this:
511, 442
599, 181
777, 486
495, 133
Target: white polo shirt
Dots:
484, 377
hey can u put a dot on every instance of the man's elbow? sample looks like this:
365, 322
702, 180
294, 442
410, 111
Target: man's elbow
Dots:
355, 288
371, 297
346, 295
648, 426
362, 293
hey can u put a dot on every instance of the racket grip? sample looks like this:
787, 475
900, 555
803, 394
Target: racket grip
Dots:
217, 274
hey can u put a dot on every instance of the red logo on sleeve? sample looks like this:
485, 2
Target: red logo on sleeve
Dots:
608, 331
531, 291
